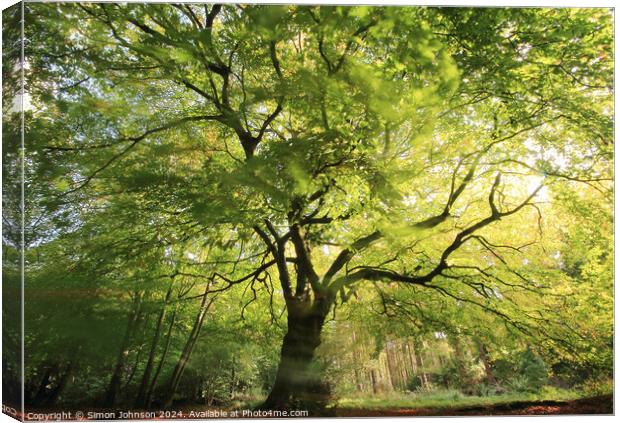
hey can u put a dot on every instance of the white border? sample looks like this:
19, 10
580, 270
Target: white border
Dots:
482, 3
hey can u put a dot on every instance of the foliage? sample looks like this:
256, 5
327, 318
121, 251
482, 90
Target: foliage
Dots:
523, 371
598, 387
220, 197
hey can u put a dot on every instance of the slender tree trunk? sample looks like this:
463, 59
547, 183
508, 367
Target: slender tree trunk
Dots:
297, 383
41, 394
231, 385
459, 358
146, 376
484, 357
134, 368
391, 367
410, 354
420, 367
373, 378
60, 386
115, 381
162, 360
355, 355
187, 350
404, 360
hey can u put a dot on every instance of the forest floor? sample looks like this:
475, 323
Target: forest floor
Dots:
593, 405
393, 406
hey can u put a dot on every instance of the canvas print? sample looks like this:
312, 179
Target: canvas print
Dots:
253, 210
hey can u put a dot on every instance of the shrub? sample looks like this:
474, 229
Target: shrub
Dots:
597, 387
524, 372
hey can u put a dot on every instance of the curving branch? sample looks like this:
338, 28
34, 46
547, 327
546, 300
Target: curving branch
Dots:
280, 101
348, 253
455, 192
377, 274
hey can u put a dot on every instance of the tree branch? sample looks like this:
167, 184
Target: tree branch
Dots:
134, 141
278, 253
305, 264
347, 254
460, 239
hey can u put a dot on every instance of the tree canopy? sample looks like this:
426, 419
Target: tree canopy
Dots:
450, 167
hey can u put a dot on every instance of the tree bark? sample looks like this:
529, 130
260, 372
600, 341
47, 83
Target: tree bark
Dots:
148, 369
187, 350
484, 357
162, 360
41, 394
459, 358
136, 364
60, 386
373, 378
297, 383
232, 382
420, 367
115, 381
391, 366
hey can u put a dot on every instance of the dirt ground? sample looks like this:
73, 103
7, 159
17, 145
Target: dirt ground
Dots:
583, 406
595, 405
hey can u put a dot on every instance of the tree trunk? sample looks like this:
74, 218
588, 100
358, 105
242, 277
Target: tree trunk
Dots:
484, 357
231, 384
298, 384
459, 358
146, 376
136, 364
115, 381
60, 386
392, 366
162, 360
187, 350
41, 394
373, 378
412, 361
420, 367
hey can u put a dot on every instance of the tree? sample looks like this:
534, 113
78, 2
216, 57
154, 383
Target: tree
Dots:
326, 147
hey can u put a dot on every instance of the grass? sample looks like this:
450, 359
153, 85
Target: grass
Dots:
453, 398
448, 398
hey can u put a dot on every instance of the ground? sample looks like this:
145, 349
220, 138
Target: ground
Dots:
593, 405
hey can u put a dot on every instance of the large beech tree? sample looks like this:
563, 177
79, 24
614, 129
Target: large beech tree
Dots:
324, 148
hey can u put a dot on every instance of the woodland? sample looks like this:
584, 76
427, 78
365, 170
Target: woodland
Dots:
317, 208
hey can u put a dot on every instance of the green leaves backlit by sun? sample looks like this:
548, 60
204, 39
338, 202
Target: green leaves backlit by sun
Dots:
450, 168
